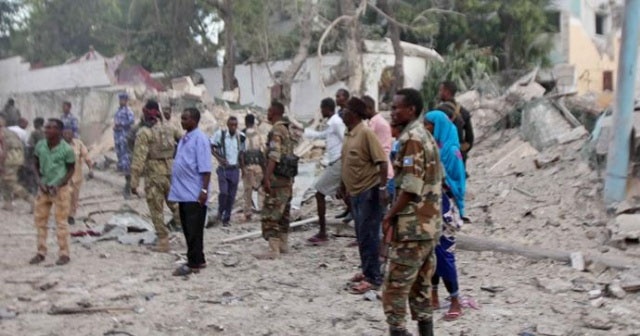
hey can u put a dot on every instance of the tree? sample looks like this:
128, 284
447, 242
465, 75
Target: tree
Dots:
394, 34
8, 14
514, 30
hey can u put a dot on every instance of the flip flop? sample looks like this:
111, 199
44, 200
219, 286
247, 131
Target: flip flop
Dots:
359, 277
317, 240
452, 316
361, 288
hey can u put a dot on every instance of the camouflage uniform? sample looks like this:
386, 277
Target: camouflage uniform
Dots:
14, 159
153, 155
251, 172
416, 228
277, 205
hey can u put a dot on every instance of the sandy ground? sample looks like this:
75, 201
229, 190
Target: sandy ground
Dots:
303, 293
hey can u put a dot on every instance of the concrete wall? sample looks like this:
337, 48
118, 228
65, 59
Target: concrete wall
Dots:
16, 77
94, 108
307, 92
590, 63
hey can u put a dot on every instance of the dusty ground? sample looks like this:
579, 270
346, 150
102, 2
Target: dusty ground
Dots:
303, 293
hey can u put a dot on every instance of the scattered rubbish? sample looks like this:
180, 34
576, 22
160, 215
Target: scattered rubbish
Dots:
222, 253
55, 310
227, 298
117, 332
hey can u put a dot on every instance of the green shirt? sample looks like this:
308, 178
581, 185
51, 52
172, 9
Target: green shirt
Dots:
54, 161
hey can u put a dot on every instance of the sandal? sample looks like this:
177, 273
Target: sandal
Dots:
183, 270
361, 288
317, 240
452, 316
37, 259
359, 277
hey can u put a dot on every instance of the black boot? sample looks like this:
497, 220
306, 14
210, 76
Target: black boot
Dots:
425, 328
398, 332
126, 192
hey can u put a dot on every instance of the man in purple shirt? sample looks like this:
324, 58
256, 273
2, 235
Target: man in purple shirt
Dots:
190, 188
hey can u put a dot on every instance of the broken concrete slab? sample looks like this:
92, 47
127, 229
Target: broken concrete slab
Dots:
577, 261
628, 226
514, 155
574, 135
542, 124
544, 161
597, 320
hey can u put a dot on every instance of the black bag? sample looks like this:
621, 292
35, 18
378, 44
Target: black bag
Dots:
253, 157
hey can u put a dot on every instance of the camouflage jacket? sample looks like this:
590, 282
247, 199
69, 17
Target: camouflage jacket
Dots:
146, 138
419, 172
279, 143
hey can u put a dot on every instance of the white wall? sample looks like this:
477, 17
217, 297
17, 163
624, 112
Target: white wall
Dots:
307, 91
15, 76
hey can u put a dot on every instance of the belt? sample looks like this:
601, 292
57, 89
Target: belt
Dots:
229, 167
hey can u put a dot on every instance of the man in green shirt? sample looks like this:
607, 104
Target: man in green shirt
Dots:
54, 166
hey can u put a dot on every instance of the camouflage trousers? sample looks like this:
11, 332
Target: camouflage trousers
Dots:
251, 180
11, 187
156, 189
61, 201
408, 278
275, 212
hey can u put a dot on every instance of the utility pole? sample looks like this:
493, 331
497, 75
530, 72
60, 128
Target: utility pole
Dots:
618, 157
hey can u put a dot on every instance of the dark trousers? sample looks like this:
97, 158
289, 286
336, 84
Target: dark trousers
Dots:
367, 215
446, 266
228, 179
193, 216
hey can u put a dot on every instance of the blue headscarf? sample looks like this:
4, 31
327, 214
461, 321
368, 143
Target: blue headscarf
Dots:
446, 135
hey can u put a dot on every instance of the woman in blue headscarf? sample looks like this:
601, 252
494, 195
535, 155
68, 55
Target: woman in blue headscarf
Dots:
446, 135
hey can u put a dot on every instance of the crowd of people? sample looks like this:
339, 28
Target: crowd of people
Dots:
402, 183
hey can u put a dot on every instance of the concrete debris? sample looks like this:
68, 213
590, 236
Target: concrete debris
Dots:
594, 294
598, 321
577, 261
597, 268
7, 314
597, 303
545, 161
554, 286
628, 226
615, 289
551, 330
542, 124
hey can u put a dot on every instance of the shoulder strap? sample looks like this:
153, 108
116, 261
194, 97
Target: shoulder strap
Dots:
222, 144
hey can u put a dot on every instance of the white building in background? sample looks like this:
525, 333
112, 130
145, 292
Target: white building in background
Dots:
256, 83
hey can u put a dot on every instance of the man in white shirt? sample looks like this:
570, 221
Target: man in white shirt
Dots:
21, 130
329, 182
226, 147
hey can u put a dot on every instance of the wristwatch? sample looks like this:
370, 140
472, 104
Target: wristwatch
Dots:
204, 191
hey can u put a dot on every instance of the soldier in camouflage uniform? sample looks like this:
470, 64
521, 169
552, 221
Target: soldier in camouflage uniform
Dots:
413, 224
278, 190
11, 159
153, 154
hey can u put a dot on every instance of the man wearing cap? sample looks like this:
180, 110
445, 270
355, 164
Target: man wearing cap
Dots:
122, 123
153, 154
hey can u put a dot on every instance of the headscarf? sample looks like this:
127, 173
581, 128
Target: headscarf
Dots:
446, 135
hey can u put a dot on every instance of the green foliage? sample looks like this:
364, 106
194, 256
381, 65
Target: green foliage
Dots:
8, 15
465, 65
515, 30
158, 34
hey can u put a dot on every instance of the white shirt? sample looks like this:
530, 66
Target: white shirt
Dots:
232, 146
333, 134
21, 133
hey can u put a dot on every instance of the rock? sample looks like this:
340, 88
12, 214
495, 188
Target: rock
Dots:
143, 238
554, 286
631, 285
47, 286
594, 294
577, 261
230, 261
615, 290
597, 321
551, 330
6, 314
544, 161
628, 226
597, 268
597, 303
370, 296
